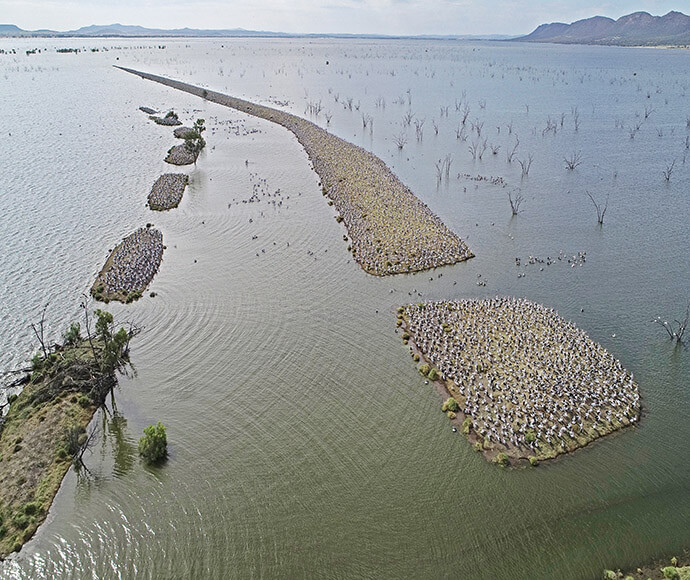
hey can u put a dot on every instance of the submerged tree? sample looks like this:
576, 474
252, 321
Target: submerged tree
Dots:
153, 445
515, 201
193, 141
675, 329
601, 209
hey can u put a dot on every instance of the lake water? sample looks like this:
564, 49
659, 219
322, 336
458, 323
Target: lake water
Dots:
302, 440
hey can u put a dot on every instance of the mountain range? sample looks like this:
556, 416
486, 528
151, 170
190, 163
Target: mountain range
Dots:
128, 31
636, 29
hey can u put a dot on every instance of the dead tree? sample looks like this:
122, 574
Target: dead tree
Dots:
526, 165
84, 305
515, 201
676, 329
400, 140
573, 161
511, 153
419, 128
668, 170
601, 210
39, 331
482, 149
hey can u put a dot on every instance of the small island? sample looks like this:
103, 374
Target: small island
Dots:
184, 132
167, 191
523, 383
170, 119
391, 230
130, 267
45, 430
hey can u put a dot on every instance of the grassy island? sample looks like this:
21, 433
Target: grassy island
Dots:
167, 191
524, 383
130, 267
44, 431
391, 230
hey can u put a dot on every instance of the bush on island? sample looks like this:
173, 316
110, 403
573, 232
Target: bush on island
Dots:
433, 374
671, 573
450, 404
530, 436
424, 369
502, 459
533, 461
153, 445
466, 425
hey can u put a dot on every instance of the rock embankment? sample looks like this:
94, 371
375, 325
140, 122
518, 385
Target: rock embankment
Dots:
167, 191
130, 267
391, 230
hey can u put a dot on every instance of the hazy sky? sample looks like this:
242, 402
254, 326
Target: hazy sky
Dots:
360, 16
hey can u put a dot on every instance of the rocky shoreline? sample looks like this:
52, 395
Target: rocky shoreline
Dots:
391, 230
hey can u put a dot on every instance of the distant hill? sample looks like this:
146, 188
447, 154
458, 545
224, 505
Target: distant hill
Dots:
636, 29
128, 31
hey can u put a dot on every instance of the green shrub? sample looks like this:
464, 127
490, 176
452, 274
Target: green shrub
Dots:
502, 459
37, 362
3, 531
466, 426
31, 508
671, 572
406, 336
153, 445
433, 374
12, 398
424, 369
530, 436
451, 405
610, 575
84, 401
451, 415
533, 461
338, 218
478, 446
416, 357
20, 521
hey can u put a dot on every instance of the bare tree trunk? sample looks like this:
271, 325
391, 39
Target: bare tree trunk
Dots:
39, 330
